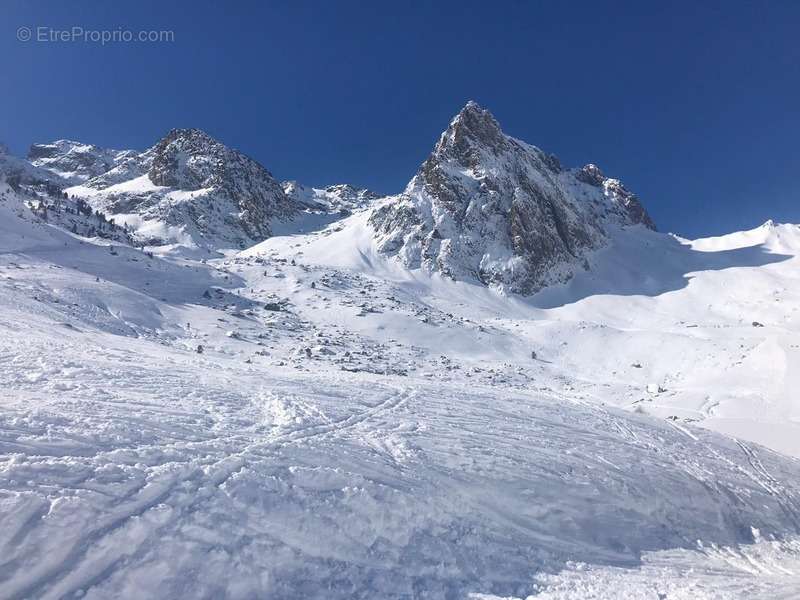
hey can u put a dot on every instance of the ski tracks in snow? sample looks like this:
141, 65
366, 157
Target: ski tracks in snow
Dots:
307, 433
190, 470
131, 473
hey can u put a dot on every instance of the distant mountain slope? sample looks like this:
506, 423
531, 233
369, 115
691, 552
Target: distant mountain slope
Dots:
489, 207
40, 192
231, 428
18, 171
342, 197
76, 162
189, 188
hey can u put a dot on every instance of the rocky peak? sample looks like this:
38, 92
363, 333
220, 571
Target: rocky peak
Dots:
489, 207
472, 128
341, 197
190, 159
590, 174
75, 162
629, 201
222, 181
349, 194
52, 149
346, 190
205, 192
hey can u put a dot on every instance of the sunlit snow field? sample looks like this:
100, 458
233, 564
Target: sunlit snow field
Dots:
389, 434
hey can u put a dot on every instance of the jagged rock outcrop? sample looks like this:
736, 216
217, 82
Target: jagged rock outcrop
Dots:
613, 188
75, 162
342, 198
191, 189
490, 207
41, 192
187, 189
22, 176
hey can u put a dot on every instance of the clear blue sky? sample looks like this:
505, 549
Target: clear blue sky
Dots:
694, 105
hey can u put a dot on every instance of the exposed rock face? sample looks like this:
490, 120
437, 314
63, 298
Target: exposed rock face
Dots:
191, 160
489, 207
614, 188
188, 189
342, 198
19, 172
200, 190
75, 162
40, 190
132, 167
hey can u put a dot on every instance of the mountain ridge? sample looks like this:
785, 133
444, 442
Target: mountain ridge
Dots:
182, 419
489, 207
187, 189
483, 206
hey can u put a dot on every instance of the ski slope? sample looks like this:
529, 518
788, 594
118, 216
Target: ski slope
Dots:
712, 323
351, 429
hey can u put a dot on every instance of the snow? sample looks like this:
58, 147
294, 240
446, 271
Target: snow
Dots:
137, 185
488, 208
682, 311
761, 571
188, 190
355, 429
73, 162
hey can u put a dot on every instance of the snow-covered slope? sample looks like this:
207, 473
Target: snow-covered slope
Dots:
282, 462
17, 171
188, 189
191, 189
74, 162
41, 191
700, 331
310, 418
487, 207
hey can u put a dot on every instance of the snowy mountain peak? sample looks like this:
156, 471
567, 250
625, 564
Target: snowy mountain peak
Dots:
191, 189
232, 198
488, 207
52, 149
342, 197
190, 159
473, 125
345, 189
590, 174
75, 162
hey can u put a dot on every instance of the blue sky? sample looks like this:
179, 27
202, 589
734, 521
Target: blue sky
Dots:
694, 105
